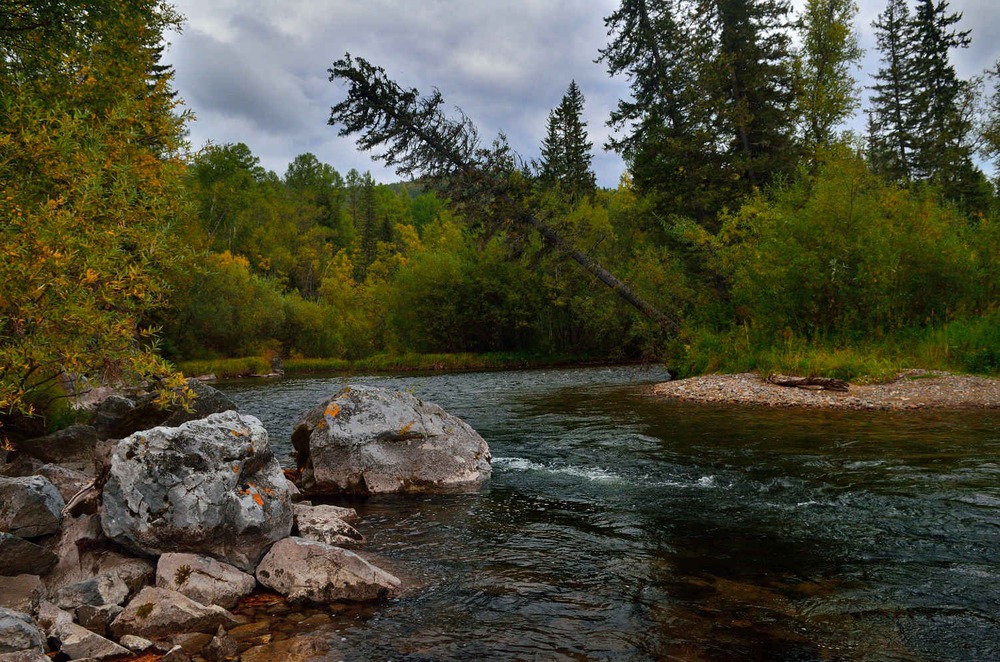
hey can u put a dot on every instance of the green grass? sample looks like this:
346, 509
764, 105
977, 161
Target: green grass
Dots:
407, 362
226, 368
964, 346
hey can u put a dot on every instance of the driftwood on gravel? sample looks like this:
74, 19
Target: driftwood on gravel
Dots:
811, 383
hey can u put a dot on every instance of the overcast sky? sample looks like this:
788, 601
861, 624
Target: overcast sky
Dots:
255, 71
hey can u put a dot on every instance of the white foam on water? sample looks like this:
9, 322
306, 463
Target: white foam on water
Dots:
596, 474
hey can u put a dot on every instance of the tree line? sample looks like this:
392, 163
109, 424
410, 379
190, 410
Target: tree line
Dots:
747, 217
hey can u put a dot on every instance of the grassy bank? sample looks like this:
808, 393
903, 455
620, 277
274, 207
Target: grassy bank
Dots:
963, 346
409, 362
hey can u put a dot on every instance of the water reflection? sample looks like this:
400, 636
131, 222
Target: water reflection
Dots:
619, 526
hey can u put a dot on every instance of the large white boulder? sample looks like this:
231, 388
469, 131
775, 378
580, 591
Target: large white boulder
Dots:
369, 440
210, 486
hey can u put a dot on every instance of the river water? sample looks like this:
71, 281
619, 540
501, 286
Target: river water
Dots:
620, 526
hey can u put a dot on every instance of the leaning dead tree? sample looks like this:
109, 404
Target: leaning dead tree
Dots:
411, 133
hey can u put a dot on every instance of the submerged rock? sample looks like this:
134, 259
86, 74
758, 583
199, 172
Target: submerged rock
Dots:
210, 486
368, 440
304, 570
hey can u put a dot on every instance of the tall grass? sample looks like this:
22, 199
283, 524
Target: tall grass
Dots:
226, 368
966, 345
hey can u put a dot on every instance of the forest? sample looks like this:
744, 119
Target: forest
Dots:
771, 237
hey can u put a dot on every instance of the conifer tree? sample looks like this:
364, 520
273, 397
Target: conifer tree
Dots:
566, 151
890, 118
941, 145
712, 105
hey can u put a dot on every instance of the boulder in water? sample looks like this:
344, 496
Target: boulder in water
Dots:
369, 440
308, 571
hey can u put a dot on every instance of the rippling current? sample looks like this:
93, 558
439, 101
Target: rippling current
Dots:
620, 526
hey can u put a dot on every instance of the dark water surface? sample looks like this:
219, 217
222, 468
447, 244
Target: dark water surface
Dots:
619, 526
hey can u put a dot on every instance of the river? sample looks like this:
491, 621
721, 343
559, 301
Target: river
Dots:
620, 526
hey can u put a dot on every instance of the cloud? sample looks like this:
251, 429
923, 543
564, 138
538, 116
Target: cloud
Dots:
255, 71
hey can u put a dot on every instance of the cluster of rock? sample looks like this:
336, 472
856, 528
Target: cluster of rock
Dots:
172, 525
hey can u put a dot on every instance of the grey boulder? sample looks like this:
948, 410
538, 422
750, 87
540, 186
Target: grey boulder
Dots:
159, 612
117, 419
369, 440
20, 557
72, 447
211, 486
308, 571
30, 506
18, 633
204, 579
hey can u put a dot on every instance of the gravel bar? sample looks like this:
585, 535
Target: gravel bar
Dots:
913, 389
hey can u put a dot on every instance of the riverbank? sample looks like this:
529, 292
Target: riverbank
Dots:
912, 389
210, 370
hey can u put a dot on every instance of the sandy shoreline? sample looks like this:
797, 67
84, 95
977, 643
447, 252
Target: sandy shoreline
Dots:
913, 389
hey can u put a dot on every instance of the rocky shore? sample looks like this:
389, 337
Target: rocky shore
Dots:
913, 389
176, 535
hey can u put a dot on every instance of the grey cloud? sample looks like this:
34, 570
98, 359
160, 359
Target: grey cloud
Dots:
256, 70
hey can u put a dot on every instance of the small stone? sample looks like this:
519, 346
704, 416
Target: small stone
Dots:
136, 644
175, 654
159, 612
222, 647
98, 619
204, 579
18, 632
304, 570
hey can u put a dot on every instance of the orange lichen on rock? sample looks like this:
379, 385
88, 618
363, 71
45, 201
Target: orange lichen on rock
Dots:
257, 499
332, 410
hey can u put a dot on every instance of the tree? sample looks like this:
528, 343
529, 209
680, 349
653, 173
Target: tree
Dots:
920, 123
712, 109
827, 91
91, 195
566, 151
990, 127
227, 183
416, 137
942, 152
666, 137
890, 118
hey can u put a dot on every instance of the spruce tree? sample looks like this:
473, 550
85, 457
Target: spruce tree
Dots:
941, 147
890, 118
566, 151
712, 110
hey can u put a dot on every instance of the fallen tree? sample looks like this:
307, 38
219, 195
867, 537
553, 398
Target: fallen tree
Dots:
415, 137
